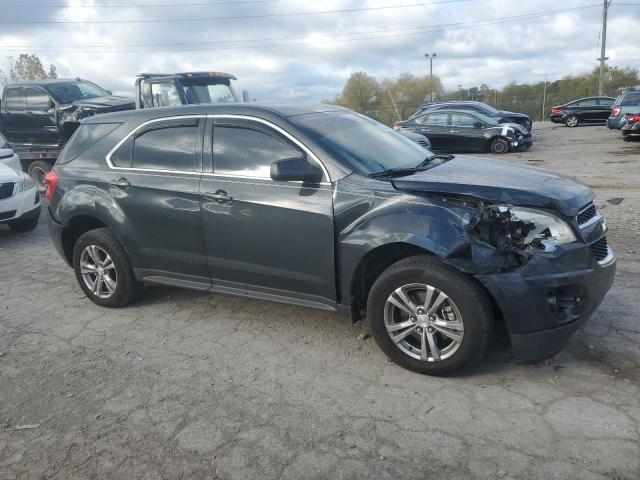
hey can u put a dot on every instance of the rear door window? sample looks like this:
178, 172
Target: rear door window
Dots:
14, 100
37, 99
170, 145
588, 102
605, 102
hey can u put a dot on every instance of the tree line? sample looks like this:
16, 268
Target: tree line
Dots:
27, 66
389, 100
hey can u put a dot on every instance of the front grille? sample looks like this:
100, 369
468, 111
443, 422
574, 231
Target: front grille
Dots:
9, 214
587, 214
600, 249
6, 190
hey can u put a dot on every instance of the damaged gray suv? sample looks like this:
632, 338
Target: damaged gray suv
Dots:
321, 207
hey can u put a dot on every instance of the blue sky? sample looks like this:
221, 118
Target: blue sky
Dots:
286, 50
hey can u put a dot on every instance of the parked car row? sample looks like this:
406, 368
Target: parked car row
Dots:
622, 112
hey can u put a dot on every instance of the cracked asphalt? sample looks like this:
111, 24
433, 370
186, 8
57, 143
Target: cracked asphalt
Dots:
201, 386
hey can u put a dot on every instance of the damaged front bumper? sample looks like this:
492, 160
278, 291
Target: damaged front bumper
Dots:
545, 301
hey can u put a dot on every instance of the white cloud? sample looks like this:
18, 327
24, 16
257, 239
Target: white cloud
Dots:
314, 64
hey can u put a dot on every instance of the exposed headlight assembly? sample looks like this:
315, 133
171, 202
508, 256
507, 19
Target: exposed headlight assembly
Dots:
540, 229
522, 229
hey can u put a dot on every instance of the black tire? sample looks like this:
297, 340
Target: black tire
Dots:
499, 145
572, 121
127, 287
37, 170
21, 226
471, 300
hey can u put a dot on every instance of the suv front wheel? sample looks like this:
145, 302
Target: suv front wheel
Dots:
103, 269
428, 317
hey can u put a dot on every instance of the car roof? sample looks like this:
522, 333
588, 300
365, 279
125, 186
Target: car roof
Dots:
251, 109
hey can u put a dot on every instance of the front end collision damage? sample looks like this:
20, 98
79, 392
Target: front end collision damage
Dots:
541, 288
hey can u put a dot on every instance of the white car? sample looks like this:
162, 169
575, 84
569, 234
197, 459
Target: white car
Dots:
19, 198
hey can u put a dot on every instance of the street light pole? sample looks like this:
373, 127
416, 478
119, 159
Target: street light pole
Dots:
431, 57
603, 45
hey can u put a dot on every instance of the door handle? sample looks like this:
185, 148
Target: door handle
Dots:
121, 183
219, 196
454, 131
425, 130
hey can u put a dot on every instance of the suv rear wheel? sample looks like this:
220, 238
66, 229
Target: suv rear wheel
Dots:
428, 317
103, 269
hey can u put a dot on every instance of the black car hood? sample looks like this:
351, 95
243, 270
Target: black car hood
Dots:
500, 182
106, 103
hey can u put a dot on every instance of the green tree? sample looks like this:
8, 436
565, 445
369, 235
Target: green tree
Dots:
360, 94
29, 67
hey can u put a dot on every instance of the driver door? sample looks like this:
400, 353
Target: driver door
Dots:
273, 239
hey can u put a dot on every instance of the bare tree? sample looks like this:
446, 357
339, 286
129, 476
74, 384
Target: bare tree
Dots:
29, 67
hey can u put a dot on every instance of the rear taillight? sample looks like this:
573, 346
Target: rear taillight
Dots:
615, 112
556, 111
633, 118
50, 184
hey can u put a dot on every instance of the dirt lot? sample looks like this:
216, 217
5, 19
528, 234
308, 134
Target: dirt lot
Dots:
192, 385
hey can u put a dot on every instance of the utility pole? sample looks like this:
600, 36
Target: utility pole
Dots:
603, 45
431, 57
544, 98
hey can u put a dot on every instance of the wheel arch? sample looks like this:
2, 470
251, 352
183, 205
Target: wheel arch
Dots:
74, 229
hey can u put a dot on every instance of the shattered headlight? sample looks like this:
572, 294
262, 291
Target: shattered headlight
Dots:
539, 229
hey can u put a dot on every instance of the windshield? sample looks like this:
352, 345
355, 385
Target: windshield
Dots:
209, 91
489, 109
71, 92
364, 144
3, 142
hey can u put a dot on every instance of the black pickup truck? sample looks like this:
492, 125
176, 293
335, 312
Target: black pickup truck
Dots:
37, 117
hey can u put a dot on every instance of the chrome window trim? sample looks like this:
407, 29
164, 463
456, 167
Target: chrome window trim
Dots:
275, 127
281, 131
140, 127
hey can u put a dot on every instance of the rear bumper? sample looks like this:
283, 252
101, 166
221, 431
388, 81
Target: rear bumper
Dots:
547, 300
55, 231
557, 118
616, 122
631, 132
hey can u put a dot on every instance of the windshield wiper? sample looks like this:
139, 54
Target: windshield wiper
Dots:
397, 172
439, 156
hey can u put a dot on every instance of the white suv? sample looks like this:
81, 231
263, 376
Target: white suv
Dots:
19, 198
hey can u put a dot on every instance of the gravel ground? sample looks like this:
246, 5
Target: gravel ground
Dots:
193, 385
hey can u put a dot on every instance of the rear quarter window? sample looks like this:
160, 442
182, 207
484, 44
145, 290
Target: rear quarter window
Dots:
85, 137
631, 99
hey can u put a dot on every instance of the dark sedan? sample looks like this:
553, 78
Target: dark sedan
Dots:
455, 131
499, 116
589, 110
631, 130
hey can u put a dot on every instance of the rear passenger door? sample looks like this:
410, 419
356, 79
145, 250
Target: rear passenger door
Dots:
40, 120
589, 110
154, 180
435, 126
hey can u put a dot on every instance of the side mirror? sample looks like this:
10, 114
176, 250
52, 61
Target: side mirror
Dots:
110, 92
295, 170
245, 96
51, 104
477, 125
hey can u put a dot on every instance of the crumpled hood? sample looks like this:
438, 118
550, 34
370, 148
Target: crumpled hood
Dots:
500, 182
513, 114
106, 103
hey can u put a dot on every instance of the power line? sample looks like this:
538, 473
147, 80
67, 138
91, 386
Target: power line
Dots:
469, 24
233, 17
138, 5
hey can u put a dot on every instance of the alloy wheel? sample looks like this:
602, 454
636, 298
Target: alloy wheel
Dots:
423, 322
98, 271
572, 121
